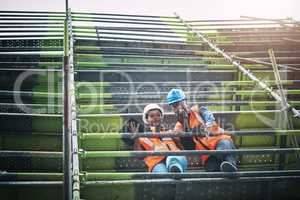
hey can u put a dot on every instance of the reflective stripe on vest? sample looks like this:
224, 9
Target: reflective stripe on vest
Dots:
147, 143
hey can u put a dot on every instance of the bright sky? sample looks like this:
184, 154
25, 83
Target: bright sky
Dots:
188, 9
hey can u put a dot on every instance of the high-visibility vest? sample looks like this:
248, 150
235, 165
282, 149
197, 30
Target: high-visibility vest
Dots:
204, 143
155, 143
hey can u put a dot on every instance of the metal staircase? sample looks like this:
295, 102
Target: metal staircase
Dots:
69, 86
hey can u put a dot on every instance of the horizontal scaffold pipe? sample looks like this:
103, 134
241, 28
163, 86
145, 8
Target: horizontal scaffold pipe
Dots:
280, 21
140, 50
146, 57
120, 43
29, 23
128, 22
31, 12
101, 34
28, 48
255, 60
31, 154
118, 106
251, 43
90, 176
32, 15
31, 36
152, 95
243, 28
167, 70
88, 136
31, 94
14, 133
173, 29
171, 113
26, 30
42, 54
174, 49
230, 20
210, 58
31, 105
80, 17
189, 180
208, 30
279, 58
28, 18
185, 30
32, 65
149, 64
183, 66
266, 32
29, 176
227, 35
30, 114
145, 38
33, 27
30, 69
132, 45
122, 15
249, 36
204, 68
183, 83
30, 183
152, 42
183, 41
161, 70
127, 39
248, 24
92, 29
115, 154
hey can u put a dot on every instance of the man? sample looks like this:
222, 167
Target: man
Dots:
198, 120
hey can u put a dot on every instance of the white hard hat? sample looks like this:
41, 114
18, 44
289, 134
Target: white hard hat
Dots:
149, 107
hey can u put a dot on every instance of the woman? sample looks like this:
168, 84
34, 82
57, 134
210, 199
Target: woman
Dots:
152, 117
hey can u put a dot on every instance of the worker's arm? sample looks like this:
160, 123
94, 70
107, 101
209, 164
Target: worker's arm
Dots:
210, 122
206, 115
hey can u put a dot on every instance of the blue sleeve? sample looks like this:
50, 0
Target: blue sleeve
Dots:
206, 115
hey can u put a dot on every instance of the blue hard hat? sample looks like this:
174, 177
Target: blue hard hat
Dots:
175, 95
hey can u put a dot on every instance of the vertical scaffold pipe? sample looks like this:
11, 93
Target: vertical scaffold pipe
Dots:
245, 71
286, 121
67, 186
73, 117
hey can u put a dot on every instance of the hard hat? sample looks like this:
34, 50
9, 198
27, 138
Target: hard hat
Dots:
151, 106
175, 95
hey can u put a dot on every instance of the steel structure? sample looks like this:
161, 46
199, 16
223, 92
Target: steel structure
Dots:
70, 81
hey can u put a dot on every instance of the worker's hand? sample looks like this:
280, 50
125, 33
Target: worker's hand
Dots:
133, 127
208, 126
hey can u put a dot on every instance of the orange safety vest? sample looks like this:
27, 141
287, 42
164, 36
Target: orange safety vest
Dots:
149, 144
204, 143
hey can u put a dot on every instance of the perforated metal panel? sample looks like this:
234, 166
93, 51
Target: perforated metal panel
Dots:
19, 164
32, 43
